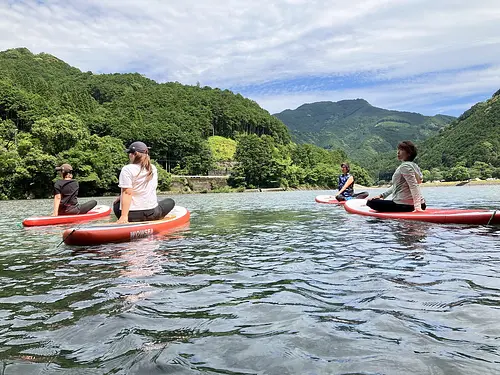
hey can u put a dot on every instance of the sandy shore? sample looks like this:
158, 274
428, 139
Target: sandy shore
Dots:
461, 183
449, 183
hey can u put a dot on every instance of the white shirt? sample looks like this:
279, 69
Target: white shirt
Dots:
143, 191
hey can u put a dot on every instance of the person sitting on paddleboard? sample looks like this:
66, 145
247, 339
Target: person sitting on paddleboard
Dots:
406, 195
346, 184
66, 192
138, 182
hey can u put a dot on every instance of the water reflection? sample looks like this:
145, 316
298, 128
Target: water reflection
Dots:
411, 234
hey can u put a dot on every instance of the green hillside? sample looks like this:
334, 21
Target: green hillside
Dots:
52, 113
472, 141
361, 130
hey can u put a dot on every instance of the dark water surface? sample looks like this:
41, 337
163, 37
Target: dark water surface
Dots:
261, 283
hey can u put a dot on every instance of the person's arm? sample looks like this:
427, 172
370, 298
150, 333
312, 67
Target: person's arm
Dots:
57, 201
348, 183
126, 200
384, 195
411, 180
126, 184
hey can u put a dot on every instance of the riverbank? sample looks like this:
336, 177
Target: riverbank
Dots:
358, 188
205, 189
461, 183
450, 183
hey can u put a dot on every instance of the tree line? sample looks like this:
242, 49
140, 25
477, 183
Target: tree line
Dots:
52, 113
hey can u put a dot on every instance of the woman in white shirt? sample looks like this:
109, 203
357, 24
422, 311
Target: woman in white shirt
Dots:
138, 182
406, 195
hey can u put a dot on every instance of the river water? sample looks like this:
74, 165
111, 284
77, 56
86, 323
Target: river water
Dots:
260, 283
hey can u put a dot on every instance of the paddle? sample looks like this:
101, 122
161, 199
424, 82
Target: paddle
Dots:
73, 231
492, 217
361, 195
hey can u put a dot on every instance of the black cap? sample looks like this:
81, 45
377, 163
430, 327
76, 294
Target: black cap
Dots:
65, 168
138, 147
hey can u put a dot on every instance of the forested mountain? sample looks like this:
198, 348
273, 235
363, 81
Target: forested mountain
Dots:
51, 113
470, 145
358, 128
474, 136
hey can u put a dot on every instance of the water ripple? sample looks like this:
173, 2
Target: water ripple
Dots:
259, 283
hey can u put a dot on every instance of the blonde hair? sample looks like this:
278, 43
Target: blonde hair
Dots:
144, 161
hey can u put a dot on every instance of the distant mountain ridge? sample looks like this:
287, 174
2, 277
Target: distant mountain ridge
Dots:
357, 127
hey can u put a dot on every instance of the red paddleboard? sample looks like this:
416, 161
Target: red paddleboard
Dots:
431, 215
328, 199
96, 213
107, 233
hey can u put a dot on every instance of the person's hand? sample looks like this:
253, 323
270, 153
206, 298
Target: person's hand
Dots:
376, 197
418, 210
122, 220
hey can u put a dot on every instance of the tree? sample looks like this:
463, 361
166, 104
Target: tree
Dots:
458, 173
481, 170
59, 133
201, 162
361, 176
435, 175
257, 161
97, 162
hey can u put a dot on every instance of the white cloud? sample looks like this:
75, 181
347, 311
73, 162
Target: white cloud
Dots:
422, 95
234, 43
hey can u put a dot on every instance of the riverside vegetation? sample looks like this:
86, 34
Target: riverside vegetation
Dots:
51, 113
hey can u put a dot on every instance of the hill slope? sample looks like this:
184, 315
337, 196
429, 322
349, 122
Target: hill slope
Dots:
118, 104
357, 127
51, 113
473, 137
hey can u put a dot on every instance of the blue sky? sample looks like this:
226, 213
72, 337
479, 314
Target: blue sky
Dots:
415, 55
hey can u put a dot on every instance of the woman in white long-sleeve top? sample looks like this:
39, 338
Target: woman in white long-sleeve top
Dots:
406, 195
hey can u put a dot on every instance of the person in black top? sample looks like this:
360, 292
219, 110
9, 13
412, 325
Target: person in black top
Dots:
65, 193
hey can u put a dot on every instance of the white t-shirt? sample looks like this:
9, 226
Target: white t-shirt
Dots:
143, 191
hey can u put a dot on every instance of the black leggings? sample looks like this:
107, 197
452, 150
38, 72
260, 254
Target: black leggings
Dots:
79, 209
159, 212
361, 195
383, 205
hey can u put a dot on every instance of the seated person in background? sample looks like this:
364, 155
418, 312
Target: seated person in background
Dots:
406, 195
138, 182
346, 184
65, 193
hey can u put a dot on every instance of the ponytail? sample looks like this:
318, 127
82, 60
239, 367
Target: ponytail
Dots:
145, 162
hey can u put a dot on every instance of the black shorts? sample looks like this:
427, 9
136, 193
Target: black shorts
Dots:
157, 213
